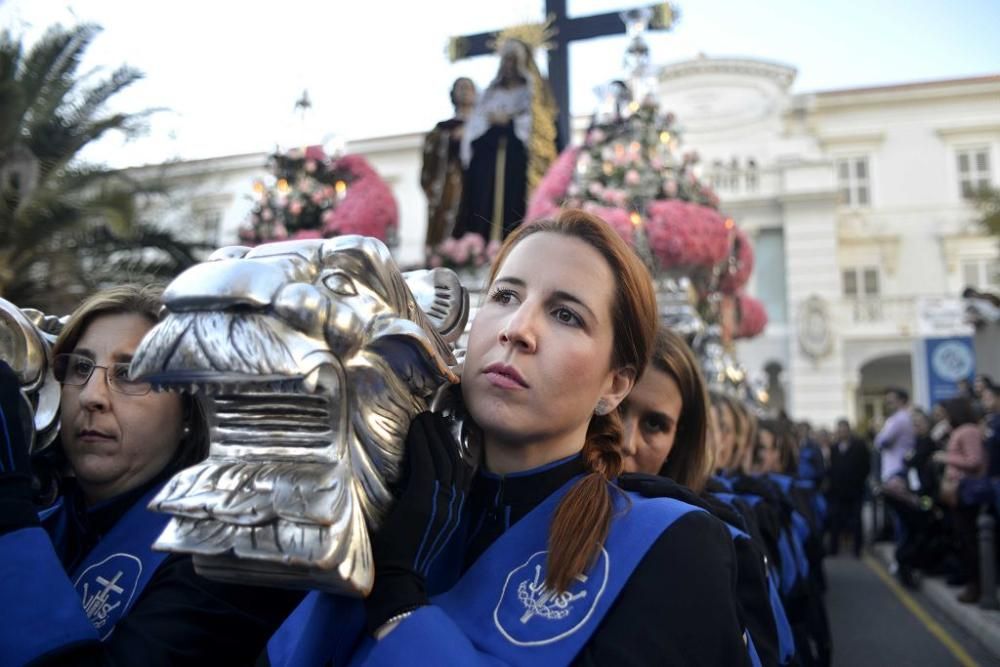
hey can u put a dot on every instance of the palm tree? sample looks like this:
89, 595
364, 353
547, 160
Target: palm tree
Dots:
48, 113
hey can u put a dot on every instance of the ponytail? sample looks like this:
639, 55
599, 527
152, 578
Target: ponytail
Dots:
582, 519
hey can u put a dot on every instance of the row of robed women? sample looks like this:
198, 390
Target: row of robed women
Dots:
613, 517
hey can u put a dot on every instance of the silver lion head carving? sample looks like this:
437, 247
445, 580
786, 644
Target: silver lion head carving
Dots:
310, 358
26, 339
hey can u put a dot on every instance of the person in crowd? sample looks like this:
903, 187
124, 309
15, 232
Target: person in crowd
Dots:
508, 144
991, 427
850, 465
775, 449
921, 470
824, 438
940, 426
812, 465
910, 494
550, 563
896, 439
964, 389
665, 417
727, 431
894, 442
964, 457
441, 170
666, 420
84, 585
745, 440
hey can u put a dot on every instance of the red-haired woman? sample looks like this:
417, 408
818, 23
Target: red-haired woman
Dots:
553, 563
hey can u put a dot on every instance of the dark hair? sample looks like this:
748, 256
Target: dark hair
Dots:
784, 440
690, 461
582, 519
720, 402
960, 411
900, 393
454, 88
144, 301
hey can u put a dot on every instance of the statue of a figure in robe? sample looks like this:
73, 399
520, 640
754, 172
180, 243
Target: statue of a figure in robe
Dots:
441, 174
508, 144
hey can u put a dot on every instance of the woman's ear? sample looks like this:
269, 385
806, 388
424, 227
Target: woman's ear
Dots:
621, 382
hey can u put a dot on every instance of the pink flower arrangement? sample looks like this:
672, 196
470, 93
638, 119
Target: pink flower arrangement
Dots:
741, 262
361, 203
684, 235
368, 207
547, 197
752, 316
469, 251
619, 219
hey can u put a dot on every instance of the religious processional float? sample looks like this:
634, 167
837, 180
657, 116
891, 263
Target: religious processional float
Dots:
631, 171
310, 195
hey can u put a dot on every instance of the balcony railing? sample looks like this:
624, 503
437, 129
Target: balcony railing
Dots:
874, 309
737, 183
899, 315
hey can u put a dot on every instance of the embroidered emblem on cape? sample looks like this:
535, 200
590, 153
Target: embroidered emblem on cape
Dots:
106, 590
529, 614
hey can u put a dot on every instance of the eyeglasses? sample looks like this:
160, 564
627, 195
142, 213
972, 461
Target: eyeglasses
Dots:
75, 370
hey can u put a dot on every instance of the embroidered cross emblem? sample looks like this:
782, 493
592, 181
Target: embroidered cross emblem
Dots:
97, 606
539, 600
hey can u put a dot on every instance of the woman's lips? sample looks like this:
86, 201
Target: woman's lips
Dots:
93, 436
504, 377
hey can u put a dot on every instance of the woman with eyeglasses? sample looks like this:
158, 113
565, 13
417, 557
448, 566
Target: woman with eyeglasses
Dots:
81, 582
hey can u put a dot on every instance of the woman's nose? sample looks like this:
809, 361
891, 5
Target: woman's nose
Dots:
521, 329
95, 394
630, 444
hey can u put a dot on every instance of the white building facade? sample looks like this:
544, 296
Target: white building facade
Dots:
858, 203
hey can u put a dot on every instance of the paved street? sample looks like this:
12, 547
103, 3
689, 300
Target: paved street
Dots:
873, 626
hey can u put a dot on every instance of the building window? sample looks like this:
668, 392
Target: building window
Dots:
769, 286
850, 279
981, 274
871, 282
861, 282
973, 171
854, 181
862, 287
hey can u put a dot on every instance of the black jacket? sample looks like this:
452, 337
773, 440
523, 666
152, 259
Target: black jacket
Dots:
849, 470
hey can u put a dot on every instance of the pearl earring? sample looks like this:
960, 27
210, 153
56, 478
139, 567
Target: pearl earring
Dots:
602, 408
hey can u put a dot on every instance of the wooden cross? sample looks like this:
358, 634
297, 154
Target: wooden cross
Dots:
566, 30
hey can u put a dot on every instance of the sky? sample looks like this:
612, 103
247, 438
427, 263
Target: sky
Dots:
228, 72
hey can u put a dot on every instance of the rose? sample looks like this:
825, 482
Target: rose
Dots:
492, 250
752, 316
632, 177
